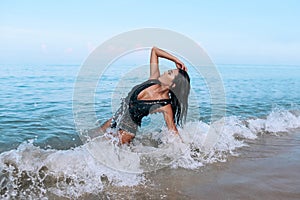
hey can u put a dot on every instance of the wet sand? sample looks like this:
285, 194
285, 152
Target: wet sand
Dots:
268, 169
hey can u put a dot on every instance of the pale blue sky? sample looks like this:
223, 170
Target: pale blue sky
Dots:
231, 32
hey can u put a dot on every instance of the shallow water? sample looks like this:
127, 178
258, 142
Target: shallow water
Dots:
266, 169
42, 155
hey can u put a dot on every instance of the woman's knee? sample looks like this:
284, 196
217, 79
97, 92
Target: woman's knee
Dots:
125, 137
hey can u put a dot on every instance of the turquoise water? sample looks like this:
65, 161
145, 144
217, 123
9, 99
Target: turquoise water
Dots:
38, 134
253, 91
36, 101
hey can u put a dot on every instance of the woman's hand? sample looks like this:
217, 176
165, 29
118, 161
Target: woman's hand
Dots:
159, 53
180, 65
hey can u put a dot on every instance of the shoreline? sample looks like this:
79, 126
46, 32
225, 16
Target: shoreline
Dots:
267, 169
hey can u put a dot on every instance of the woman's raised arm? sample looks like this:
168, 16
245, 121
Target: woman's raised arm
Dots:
155, 54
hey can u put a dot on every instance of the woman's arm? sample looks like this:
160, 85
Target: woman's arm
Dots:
155, 54
168, 115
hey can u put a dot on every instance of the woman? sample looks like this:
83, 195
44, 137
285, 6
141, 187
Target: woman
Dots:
166, 93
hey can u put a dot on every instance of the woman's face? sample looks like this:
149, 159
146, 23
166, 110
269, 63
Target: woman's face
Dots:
168, 76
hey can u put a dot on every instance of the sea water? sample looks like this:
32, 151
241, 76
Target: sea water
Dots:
42, 153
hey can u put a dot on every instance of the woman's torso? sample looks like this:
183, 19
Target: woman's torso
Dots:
145, 99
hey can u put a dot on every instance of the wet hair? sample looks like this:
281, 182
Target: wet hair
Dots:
179, 97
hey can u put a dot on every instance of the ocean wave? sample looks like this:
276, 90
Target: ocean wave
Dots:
30, 171
35, 172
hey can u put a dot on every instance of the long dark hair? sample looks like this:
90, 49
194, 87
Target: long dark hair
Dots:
179, 97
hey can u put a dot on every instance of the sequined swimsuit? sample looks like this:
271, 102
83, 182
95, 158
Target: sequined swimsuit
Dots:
130, 114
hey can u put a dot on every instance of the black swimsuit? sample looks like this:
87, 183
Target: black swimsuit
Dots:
130, 114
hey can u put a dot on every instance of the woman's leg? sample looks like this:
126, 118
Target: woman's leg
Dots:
125, 137
95, 132
105, 125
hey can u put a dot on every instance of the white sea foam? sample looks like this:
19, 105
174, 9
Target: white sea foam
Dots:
69, 173
30, 171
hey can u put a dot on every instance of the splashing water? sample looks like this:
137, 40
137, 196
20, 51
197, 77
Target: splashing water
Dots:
30, 171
